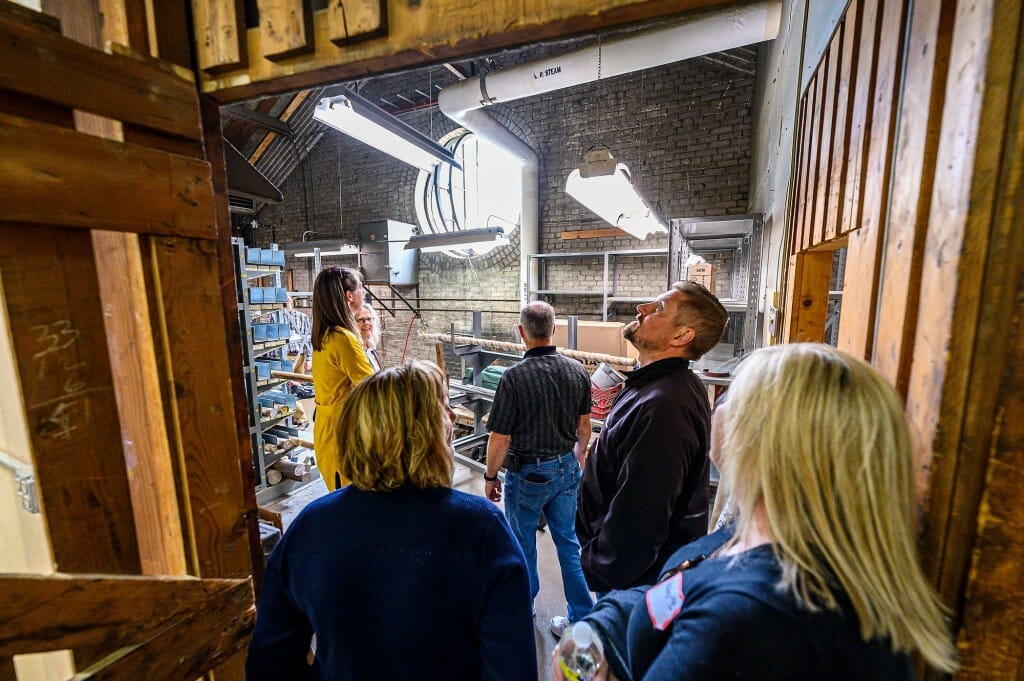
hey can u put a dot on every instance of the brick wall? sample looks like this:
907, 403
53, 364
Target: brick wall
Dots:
683, 129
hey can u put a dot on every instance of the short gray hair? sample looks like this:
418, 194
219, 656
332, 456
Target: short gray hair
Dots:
538, 320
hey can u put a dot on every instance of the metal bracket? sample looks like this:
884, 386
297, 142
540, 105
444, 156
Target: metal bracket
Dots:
24, 481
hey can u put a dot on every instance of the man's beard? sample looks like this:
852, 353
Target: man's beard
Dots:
629, 331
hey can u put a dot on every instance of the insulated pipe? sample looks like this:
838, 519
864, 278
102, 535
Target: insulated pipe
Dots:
705, 33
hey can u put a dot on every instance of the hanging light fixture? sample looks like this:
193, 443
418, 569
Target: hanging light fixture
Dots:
481, 240
358, 118
326, 247
606, 188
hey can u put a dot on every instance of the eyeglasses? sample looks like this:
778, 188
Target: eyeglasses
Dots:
363, 320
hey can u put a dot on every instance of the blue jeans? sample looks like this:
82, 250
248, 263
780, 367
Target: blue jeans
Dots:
551, 488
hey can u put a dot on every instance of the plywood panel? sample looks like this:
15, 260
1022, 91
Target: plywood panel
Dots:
89, 80
286, 28
913, 171
99, 184
219, 31
56, 328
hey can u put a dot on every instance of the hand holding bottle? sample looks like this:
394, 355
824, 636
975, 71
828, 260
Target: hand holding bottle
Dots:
580, 656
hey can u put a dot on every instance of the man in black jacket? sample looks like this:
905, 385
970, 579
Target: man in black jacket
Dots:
645, 488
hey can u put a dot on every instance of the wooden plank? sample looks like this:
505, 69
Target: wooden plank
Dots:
960, 398
56, 327
809, 306
286, 28
864, 250
50, 612
860, 117
817, 109
219, 30
878, 155
609, 233
798, 201
142, 190
229, 312
197, 385
187, 649
825, 157
29, 17
844, 111
920, 117
89, 80
351, 20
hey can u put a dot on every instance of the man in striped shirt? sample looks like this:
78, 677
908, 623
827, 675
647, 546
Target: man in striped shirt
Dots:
540, 427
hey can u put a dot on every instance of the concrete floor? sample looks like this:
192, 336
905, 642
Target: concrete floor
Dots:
550, 601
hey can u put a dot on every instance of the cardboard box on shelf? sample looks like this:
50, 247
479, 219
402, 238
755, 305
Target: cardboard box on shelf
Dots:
603, 337
704, 274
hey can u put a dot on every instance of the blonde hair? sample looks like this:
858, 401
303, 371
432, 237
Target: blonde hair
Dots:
393, 430
819, 439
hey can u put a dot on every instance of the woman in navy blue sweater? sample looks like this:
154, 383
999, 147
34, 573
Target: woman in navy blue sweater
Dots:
818, 576
397, 575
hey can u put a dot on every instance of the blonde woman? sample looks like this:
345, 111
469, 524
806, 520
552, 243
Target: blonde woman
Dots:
398, 575
818, 577
339, 362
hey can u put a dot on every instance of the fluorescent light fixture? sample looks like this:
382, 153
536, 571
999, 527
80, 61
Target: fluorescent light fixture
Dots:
606, 188
357, 117
328, 247
481, 240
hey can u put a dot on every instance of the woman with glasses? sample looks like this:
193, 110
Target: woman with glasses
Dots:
817, 577
369, 330
339, 361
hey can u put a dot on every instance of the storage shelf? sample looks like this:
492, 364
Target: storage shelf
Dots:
270, 423
263, 347
269, 384
260, 271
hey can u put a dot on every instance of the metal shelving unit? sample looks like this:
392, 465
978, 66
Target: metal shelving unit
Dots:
739, 234
609, 281
245, 273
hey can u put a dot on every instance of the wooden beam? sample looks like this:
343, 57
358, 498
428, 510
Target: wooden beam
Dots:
49, 612
286, 28
352, 20
847, 82
917, 141
427, 33
816, 111
142, 190
809, 307
609, 233
219, 30
289, 111
798, 202
90, 80
50, 286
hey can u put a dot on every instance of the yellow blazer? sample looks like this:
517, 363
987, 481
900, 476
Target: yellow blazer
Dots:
337, 368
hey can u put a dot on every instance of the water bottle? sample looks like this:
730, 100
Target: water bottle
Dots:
580, 654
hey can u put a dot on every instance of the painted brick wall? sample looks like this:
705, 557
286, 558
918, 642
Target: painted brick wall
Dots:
683, 129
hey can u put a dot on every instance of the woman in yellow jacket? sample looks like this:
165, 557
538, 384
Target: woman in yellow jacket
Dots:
339, 361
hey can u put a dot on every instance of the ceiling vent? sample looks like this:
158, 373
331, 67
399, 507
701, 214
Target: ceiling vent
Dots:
241, 204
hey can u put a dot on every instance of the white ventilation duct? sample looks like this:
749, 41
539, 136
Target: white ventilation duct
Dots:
463, 102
